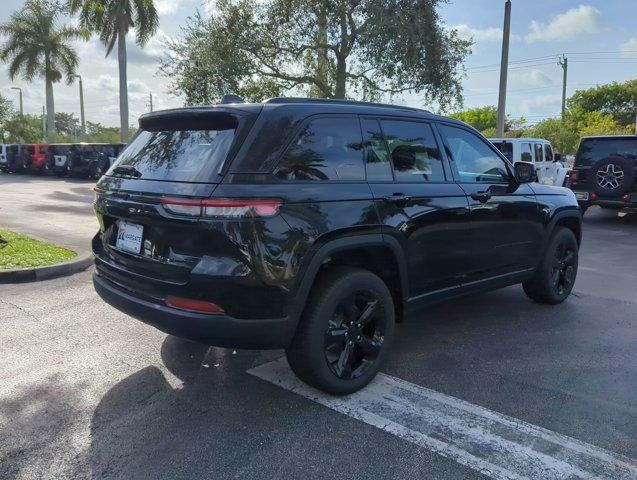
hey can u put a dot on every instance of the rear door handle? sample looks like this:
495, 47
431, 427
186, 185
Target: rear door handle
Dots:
397, 198
482, 197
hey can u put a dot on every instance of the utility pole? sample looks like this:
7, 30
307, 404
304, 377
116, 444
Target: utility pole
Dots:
564, 64
82, 119
21, 108
504, 67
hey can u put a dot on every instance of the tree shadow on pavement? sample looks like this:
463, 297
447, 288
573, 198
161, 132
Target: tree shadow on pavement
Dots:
36, 425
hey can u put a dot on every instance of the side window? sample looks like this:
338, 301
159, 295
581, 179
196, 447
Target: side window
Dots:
413, 151
475, 160
538, 153
377, 155
548, 153
325, 149
525, 152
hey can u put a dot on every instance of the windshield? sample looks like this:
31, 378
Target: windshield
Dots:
594, 149
506, 148
177, 155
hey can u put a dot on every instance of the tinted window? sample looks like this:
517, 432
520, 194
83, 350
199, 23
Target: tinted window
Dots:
475, 160
506, 148
378, 166
413, 151
538, 152
525, 152
179, 155
592, 150
548, 153
325, 149
31, 149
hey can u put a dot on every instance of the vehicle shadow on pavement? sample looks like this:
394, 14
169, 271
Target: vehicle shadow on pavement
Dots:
223, 423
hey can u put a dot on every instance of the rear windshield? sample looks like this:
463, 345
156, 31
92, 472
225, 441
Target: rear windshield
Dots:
178, 155
506, 148
592, 150
13, 149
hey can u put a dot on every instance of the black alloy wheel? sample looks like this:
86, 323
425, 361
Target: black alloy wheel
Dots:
355, 335
554, 277
345, 332
564, 269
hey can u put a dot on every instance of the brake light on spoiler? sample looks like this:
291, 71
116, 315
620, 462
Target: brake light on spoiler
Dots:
222, 208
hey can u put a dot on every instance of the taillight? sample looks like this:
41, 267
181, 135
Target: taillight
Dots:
193, 305
573, 175
222, 208
593, 196
626, 198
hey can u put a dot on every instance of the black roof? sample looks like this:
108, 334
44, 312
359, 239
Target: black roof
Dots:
297, 106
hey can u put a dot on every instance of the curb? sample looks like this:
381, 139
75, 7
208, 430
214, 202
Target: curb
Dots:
81, 262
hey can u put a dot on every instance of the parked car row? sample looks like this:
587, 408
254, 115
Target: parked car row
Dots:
84, 160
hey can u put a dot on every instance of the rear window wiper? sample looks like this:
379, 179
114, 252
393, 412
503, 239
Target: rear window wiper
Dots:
128, 170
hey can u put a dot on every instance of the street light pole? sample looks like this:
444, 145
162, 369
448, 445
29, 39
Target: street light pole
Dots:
21, 108
504, 68
82, 119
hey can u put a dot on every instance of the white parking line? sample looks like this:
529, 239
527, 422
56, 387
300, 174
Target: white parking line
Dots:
495, 445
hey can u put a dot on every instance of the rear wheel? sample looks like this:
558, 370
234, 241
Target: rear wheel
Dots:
345, 332
553, 281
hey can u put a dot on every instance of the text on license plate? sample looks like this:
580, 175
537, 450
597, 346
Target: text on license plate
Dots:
129, 237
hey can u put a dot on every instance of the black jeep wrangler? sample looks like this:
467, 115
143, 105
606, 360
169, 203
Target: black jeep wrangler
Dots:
316, 225
605, 172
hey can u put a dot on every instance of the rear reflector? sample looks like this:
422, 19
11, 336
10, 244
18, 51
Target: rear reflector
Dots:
593, 196
626, 197
222, 208
193, 305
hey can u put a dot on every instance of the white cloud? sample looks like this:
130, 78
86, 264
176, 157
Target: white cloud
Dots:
167, 6
629, 49
548, 105
583, 20
490, 34
533, 78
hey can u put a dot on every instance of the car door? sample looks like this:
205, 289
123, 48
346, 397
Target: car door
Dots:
505, 221
418, 202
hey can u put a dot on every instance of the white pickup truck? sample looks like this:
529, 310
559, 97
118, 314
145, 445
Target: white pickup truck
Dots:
537, 151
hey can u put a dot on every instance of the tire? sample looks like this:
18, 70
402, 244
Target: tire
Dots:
612, 176
553, 280
345, 332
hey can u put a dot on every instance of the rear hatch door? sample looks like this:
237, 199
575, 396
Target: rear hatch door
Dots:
176, 154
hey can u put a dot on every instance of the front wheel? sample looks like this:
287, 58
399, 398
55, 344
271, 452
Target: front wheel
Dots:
345, 332
553, 281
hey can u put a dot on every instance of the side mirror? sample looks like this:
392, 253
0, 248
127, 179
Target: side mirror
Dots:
524, 172
557, 157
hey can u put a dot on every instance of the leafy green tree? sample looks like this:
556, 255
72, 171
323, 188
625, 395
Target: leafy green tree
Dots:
112, 20
36, 47
616, 99
23, 129
326, 48
98, 133
486, 119
6, 112
67, 124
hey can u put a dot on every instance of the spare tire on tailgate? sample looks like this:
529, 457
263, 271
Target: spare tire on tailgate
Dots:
613, 176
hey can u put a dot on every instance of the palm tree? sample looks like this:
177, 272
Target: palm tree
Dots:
36, 47
111, 20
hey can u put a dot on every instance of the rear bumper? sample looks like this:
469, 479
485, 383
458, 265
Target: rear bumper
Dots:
212, 329
619, 203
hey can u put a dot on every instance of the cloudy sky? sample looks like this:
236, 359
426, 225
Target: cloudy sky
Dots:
599, 38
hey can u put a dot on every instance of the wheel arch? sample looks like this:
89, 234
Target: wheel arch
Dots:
377, 253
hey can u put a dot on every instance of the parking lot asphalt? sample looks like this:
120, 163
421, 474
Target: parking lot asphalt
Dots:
86, 392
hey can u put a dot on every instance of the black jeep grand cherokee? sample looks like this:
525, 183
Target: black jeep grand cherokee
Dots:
315, 225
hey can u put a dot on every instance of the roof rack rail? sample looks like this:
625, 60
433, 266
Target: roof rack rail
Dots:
339, 102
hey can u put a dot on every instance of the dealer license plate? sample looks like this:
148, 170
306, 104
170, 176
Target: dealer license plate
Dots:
129, 237
581, 195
